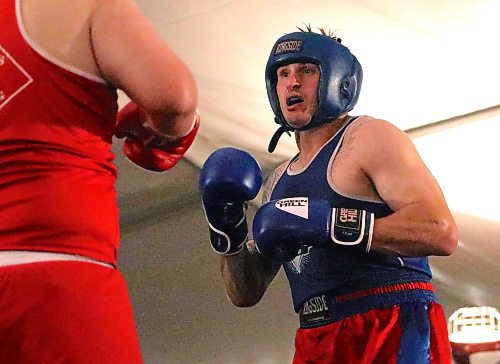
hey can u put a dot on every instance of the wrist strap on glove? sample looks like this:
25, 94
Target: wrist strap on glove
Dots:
352, 227
229, 239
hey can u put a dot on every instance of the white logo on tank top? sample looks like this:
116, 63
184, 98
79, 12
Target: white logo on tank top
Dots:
13, 78
298, 263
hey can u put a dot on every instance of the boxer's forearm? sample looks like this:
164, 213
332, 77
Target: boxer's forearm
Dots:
415, 231
246, 276
171, 125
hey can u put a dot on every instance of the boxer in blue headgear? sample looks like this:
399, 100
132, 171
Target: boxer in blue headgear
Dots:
351, 218
340, 76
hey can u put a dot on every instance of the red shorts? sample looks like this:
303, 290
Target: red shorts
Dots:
412, 332
66, 312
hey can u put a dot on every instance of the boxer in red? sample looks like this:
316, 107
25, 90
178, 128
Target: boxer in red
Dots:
62, 297
351, 218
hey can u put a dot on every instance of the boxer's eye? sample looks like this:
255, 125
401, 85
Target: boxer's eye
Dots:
283, 73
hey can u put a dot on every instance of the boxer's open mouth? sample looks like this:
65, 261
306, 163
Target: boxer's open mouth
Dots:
290, 101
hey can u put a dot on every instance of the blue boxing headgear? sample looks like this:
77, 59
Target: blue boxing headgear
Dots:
339, 83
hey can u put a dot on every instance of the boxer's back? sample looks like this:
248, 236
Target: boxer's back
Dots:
56, 123
60, 65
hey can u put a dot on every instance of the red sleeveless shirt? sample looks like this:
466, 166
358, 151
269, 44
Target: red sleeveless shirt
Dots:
57, 177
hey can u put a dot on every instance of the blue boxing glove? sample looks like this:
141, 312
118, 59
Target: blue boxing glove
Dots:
229, 178
282, 227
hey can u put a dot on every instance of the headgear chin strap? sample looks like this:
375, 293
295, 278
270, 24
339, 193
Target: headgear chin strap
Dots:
339, 83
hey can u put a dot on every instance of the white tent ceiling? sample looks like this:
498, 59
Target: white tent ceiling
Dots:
424, 61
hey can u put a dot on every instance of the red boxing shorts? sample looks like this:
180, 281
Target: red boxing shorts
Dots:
66, 312
412, 332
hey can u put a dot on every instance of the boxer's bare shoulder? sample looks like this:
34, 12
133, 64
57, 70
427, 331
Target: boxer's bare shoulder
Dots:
273, 179
367, 135
64, 38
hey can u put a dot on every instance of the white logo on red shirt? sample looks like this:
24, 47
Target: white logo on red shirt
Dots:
13, 77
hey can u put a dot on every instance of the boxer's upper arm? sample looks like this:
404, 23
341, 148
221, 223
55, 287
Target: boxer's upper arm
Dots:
393, 164
131, 54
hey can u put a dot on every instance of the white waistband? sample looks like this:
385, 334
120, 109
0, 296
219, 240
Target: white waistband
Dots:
12, 257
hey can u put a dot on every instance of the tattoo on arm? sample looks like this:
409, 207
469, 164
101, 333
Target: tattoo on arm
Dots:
347, 143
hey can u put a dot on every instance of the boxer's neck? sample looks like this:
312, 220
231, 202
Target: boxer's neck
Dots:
310, 141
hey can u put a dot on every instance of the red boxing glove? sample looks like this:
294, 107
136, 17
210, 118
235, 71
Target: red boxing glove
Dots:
146, 148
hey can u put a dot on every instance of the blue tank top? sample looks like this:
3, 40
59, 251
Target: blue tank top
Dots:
337, 269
